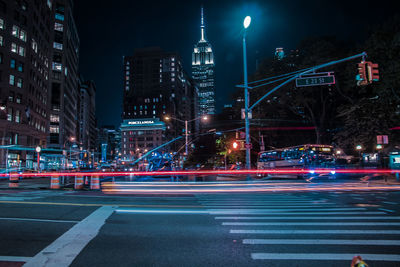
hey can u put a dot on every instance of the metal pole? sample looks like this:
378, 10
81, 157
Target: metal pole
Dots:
246, 106
38, 161
186, 137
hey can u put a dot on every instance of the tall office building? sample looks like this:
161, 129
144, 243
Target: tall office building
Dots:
203, 72
25, 49
64, 84
87, 116
155, 85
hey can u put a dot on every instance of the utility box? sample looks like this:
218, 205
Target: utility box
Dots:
394, 162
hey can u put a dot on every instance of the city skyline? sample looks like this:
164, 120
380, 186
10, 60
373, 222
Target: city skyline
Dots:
272, 26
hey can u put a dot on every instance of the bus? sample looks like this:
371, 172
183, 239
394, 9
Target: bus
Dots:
302, 156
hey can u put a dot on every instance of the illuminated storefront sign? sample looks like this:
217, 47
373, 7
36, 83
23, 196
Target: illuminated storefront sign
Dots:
140, 122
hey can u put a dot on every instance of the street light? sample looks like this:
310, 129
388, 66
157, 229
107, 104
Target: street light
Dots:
246, 24
38, 149
203, 117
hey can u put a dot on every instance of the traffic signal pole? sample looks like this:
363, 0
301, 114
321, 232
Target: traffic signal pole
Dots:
290, 79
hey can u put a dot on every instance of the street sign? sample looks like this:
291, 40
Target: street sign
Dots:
315, 80
382, 139
243, 114
248, 145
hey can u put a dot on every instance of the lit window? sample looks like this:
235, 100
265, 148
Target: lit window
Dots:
18, 116
59, 27
12, 63
57, 66
20, 67
12, 80
49, 3
15, 31
34, 45
57, 46
54, 118
1, 41
14, 48
54, 129
19, 82
10, 114
21, 51
59, 17
2, 25
22, 35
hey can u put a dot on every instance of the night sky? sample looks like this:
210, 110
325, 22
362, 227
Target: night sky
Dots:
109, 30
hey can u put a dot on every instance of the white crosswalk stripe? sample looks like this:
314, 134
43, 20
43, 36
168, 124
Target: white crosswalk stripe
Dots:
266, 222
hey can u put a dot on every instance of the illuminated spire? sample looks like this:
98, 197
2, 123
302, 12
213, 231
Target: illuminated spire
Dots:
202, 27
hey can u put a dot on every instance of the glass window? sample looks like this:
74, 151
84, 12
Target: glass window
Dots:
18, 116
12, 79
54, 129
18, 99
22, 35
19, 82
57, 46
1, 41
10, 114
34, 45
20, 67
54, 118
12, 63
59, 27
11, 97
59, 16
2, 24
21, 51
14, 48
57, 66
15, 31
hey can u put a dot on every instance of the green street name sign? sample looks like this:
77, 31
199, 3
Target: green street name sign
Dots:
315, 81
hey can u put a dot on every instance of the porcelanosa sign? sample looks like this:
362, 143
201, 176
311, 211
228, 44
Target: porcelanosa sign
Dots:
140, 122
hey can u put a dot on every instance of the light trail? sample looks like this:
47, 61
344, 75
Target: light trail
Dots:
207, 172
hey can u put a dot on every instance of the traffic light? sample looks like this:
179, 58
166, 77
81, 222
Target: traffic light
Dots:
235, 145
362, 74
373, 72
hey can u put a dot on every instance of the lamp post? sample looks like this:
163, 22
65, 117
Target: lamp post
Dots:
70, 139
38, 149
204, 118
359, 148
246, 24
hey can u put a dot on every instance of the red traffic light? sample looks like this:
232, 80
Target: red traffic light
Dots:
235, 145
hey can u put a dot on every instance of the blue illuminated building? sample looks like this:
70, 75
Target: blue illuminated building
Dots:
203, 72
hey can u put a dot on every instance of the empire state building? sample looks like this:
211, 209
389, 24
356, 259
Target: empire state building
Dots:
203, 72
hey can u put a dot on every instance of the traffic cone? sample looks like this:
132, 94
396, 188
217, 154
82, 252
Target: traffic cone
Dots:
55, 182
78, 182
95, 182
13, 181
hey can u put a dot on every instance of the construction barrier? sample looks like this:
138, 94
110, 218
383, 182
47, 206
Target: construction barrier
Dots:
95, 182
55, 182
13, 181
78, 182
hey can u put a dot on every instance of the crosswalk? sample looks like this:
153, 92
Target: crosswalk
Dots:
308, 230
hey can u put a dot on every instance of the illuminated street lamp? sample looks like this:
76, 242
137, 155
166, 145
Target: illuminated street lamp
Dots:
358, 148
38, 149
246, 24
379, 147
204, 118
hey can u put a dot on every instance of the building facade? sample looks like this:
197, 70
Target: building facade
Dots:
87, 116
203, 72
156, 86
64, 78
25, 53
138, 136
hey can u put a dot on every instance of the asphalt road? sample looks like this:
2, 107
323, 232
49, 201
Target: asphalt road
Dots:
61, 228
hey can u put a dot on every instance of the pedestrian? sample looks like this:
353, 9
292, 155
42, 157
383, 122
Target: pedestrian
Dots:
358, 262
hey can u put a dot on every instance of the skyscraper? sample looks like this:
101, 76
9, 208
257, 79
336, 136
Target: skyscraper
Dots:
203, 72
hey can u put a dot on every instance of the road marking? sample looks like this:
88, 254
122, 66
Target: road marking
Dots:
257, 206
391, 211
162, 211
67, 247
306, 213
312, 218
37, 220
97, 204
315, 223
14, 258
267, 211
319, 232
323, 256
390, 203
321, 242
